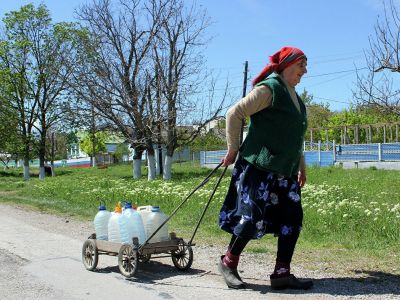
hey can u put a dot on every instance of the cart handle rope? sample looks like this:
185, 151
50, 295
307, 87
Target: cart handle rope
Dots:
208, 203
184, 201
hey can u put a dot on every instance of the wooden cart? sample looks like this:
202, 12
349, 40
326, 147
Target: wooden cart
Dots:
129, 255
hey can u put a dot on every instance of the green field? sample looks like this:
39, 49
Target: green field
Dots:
352, 217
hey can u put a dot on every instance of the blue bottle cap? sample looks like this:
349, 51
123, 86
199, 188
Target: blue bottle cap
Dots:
102, 207
128, 205
155, 208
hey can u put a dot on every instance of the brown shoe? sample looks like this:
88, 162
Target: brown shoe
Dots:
231, 276
290, 282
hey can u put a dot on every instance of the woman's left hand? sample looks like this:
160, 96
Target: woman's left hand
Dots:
301, 177
229, 158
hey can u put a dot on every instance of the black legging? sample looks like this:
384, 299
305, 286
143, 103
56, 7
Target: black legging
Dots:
237, 244
286, 245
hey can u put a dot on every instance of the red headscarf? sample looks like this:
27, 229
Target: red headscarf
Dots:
279, 61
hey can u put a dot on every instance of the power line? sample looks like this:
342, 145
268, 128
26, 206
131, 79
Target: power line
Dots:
320, 75
333, 60
331, 100
314, 62
337, 72
305, 77
340, 54
264, 62
326, 81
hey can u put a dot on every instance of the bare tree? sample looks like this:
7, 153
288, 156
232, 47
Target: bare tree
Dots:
181, 70
377, 89
114, 75
142, 68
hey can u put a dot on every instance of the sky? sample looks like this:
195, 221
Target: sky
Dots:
333, 34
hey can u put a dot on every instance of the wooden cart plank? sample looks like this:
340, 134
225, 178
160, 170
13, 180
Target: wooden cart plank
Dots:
107, 246
159, 247
150, 248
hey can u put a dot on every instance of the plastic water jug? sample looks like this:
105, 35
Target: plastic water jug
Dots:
153, 220
101, 222
144, 212
116, 222
134, 225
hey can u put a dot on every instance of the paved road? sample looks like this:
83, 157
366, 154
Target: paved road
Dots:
52, 263
40, 258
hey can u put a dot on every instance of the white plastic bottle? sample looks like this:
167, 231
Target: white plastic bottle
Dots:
154, 220
114, 224
134, 225
144, 212
101, 222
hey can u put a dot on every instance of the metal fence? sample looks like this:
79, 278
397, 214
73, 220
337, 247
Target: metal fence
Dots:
319, 154
368, 152
320, 158
316, 153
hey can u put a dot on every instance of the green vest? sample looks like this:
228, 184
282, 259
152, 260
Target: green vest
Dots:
275, 138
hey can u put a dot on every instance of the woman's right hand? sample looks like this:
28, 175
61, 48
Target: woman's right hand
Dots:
229, 158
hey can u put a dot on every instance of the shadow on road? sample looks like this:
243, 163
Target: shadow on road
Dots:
365, 283
370, 283
152, 272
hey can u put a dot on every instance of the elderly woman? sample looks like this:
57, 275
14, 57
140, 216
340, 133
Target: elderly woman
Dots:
264, 194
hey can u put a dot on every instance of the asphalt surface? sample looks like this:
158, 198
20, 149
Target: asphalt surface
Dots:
40, 258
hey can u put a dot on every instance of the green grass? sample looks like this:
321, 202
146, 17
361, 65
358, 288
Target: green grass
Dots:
353, 208
349, 215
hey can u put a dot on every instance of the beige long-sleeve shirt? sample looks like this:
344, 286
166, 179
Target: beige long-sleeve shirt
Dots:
259, 98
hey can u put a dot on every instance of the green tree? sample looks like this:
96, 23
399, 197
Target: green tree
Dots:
306, 97
360, 116
10, 141
121, 150
13, 91
38, 57
59, 141
86, 144
318, 115
208, 142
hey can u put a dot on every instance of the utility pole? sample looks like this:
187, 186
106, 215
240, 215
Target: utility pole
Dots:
159, 125
246, 67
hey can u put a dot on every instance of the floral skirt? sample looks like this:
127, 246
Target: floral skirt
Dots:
260, 202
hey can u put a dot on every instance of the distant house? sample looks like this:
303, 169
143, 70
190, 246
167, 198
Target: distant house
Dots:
217, 123
74, 150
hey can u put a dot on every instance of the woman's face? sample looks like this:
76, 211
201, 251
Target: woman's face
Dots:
294, 72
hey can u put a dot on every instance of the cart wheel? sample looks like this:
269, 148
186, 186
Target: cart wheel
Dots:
127, 260
144, 258
183, 257
90, 255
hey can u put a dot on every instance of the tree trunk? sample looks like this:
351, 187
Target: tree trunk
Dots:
157, 158
171, 145
167, 168
42, 174
151, 162
26, 168
53, 150
137, 171
42, 154
93, 161
137, 162
53, 173
151, 167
